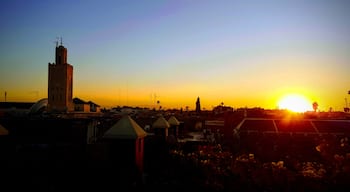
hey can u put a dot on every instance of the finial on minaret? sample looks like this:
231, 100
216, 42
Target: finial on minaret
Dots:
61, 41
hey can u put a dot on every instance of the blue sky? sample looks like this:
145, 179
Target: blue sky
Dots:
242, 53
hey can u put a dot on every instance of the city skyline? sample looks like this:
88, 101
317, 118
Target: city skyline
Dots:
135, 53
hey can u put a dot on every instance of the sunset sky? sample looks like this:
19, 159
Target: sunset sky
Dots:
133, 52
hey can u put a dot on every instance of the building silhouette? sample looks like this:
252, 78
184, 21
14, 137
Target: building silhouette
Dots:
198, 106
60, 83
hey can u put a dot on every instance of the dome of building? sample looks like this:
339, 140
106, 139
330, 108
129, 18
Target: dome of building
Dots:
39, 106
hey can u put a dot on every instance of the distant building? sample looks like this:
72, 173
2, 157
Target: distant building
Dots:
94, 107
80, 105
15, 108
198, 106
60, 83
222, 109
83, 106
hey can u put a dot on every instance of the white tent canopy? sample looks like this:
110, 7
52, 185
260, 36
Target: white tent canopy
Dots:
125, 128
3, 130
161, 122
173, 121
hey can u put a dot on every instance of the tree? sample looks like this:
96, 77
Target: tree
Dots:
158, 103
315, 106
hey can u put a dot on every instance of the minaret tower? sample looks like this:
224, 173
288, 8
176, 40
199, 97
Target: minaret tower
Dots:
61, 54
60, 82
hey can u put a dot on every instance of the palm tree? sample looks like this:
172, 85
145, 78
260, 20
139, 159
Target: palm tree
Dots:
158, 103
315, 106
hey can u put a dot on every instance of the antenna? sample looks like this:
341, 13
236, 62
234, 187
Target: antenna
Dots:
155, 98
61, 41
119, 95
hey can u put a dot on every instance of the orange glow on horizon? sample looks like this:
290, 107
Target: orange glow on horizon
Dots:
183, 95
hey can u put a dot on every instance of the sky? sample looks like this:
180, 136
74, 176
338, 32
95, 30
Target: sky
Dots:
243, 53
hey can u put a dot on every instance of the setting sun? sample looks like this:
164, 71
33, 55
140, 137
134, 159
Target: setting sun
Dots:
295, 103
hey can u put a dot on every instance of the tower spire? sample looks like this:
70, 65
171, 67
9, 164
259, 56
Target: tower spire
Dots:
56, 42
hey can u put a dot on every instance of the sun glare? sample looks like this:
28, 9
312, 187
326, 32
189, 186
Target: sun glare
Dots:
295, 103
